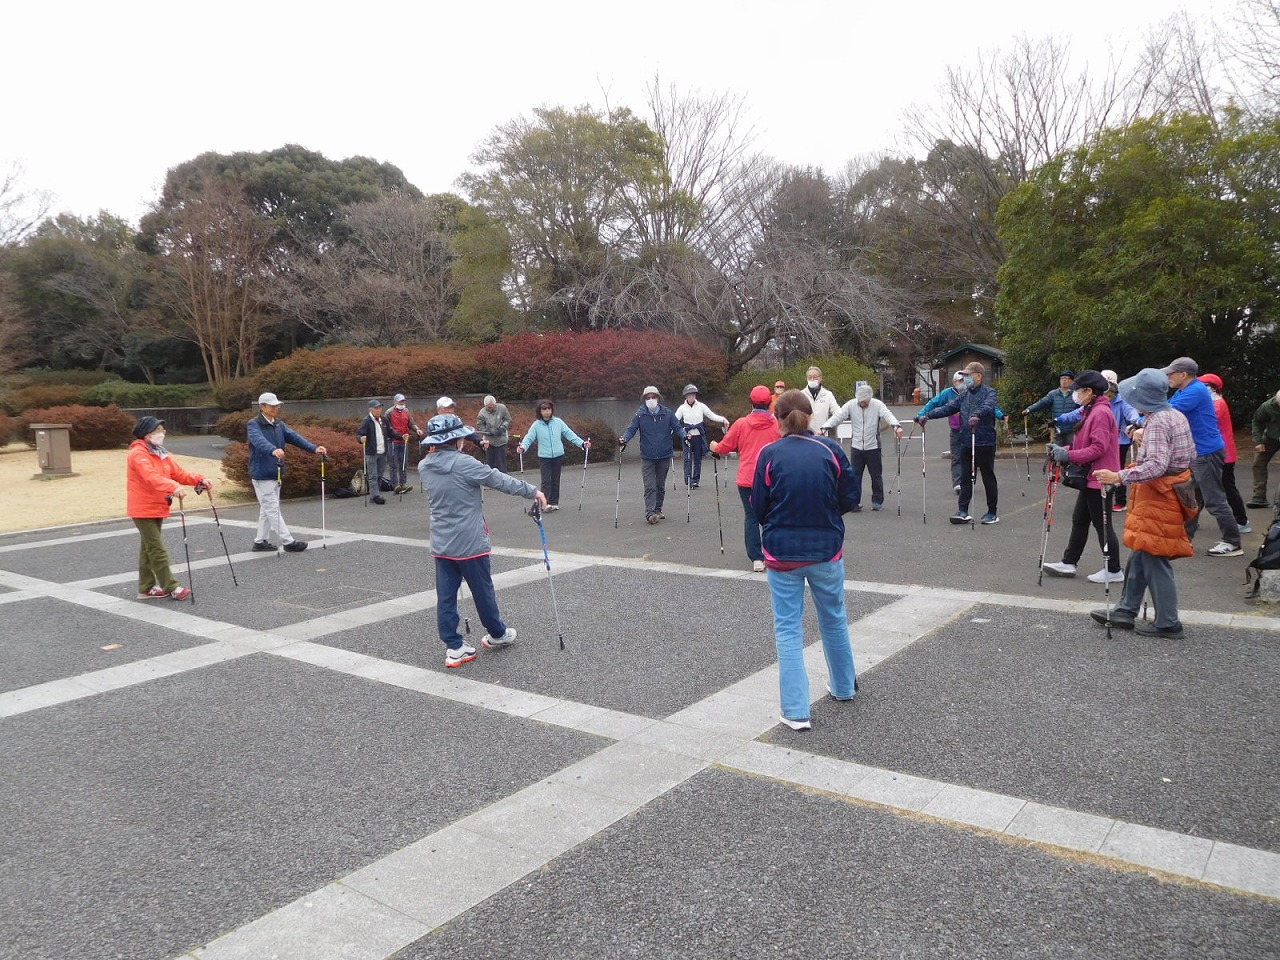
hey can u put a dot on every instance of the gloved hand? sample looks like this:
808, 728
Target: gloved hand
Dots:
1059, 453
622, 444
714, 455
200, 487
973, 422
922, 420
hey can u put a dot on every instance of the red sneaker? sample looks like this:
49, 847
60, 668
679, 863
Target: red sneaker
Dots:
182, 593
155, 593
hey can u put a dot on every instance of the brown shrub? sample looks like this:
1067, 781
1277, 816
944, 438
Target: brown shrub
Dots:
232, 425
302, 469
92, 428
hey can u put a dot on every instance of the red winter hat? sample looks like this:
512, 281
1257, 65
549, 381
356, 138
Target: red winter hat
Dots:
1212, 379
760, 394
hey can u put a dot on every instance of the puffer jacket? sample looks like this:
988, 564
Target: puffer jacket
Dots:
1096, 443
656, 430
149, 478
453, 480
803, 486
980, 402
1157, 521
749, 435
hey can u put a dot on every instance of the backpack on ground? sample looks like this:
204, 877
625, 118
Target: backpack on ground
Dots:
1268, 558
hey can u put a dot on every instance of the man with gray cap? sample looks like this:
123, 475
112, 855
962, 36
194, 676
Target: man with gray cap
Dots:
492, 422
865, 414
1194, 401
374, 435
459, 535
268, 435
656, 425
1159, 506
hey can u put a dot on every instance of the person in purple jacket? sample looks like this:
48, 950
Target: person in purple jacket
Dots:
803, 486
1095, 447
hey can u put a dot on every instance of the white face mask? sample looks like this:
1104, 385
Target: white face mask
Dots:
814, 384
651, 403
156, 439
1078, 397
399, 406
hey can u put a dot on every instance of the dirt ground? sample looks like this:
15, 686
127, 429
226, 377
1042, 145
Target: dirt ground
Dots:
97, 492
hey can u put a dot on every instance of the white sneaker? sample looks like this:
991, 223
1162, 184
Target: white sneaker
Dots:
1103, 576
1246, 527
1059, 569
456, 658
956, 488
797, 724
832, 695
506, 640
1225, 549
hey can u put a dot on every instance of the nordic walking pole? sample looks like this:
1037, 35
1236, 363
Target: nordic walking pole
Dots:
404, 464
1026, 449
218, 523
279, 485
536, 512
1051, 486
715, 463
185, 548
688, 483
462, 598
324, 535
521, 449
924, 516
364, 455
617, 490
973, 471
586, 455
1106, 555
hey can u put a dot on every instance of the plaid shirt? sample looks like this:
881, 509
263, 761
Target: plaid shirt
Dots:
1167, 447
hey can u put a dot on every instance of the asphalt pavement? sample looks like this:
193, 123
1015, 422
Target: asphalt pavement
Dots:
285, 768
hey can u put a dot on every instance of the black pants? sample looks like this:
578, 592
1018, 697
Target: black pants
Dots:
873, 462
551, 478
1234, 500
497, 456
985, 458
1092, 510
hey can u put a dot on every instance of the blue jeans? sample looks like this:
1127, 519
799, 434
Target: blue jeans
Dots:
693, 455
786, 590
750, 529
449, 577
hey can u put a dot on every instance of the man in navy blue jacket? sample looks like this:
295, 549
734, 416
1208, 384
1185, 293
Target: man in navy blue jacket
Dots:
656, 425
267, 438
977, 409
1193, 400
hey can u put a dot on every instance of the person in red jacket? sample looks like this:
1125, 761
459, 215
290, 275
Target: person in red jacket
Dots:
749, 435
1228, 431
153, 479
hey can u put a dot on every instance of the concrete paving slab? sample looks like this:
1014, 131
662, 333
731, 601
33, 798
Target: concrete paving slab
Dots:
45, 640
93, 554
149, 820
1060, 828
1041, 705
698, 873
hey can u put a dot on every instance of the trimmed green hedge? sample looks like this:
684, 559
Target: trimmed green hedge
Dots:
125, 394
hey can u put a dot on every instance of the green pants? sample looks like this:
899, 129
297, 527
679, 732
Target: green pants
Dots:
153, 559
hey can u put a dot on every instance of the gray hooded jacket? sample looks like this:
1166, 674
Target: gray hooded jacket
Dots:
453, 480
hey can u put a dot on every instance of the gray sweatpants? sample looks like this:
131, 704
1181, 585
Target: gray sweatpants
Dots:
269, 518
1207, 471
654, 474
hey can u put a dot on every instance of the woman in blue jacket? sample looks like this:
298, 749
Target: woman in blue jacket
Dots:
803, 486
551, 432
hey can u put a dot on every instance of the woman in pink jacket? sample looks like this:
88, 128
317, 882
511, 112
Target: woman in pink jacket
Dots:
749, 435
1095, 446
153, 480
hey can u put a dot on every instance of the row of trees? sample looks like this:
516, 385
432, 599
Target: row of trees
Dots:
1064, 214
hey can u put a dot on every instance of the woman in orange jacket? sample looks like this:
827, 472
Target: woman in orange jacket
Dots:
153, 479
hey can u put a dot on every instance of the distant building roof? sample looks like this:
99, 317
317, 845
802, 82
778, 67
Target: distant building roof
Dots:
981, 348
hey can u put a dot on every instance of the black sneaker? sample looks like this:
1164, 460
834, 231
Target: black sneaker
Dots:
296, 546
960, 516
1151, 630
1257, 504
1118, 620
264, 545
378, 500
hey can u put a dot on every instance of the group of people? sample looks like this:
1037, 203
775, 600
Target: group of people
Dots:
1173, 453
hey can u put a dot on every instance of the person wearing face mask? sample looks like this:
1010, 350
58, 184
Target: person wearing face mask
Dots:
1096, 447
657, 426
977, 409
824, 403
694, 414
954, 421
1125, 416
152, 479
268, 435
492, 422
865, 414
1057, 402
400, 424
550, 433
779, 388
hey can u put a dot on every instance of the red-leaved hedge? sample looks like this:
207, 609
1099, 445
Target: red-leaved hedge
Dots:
608, 363
302, 469
92, 428
42, 395
371, 371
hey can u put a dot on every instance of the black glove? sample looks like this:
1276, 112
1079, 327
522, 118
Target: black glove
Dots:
200, 488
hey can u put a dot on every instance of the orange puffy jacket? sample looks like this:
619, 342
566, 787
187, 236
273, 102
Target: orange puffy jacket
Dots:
150, 479
1157, 520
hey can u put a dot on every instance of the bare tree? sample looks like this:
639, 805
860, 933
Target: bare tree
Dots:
20, 210
212, 275
388, 281
1250, 45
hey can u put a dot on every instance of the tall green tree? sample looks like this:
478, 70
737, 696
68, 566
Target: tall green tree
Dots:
568, 187
1154, 240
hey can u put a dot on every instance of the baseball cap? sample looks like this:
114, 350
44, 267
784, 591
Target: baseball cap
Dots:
444, 402
269, 399
760, 394
1181, 365
374, 404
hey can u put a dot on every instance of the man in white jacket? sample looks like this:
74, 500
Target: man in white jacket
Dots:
866, 415
822, 400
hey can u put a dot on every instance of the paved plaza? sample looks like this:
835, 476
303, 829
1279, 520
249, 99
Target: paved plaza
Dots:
285, 768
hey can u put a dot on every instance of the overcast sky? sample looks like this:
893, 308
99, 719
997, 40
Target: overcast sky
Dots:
100, 100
